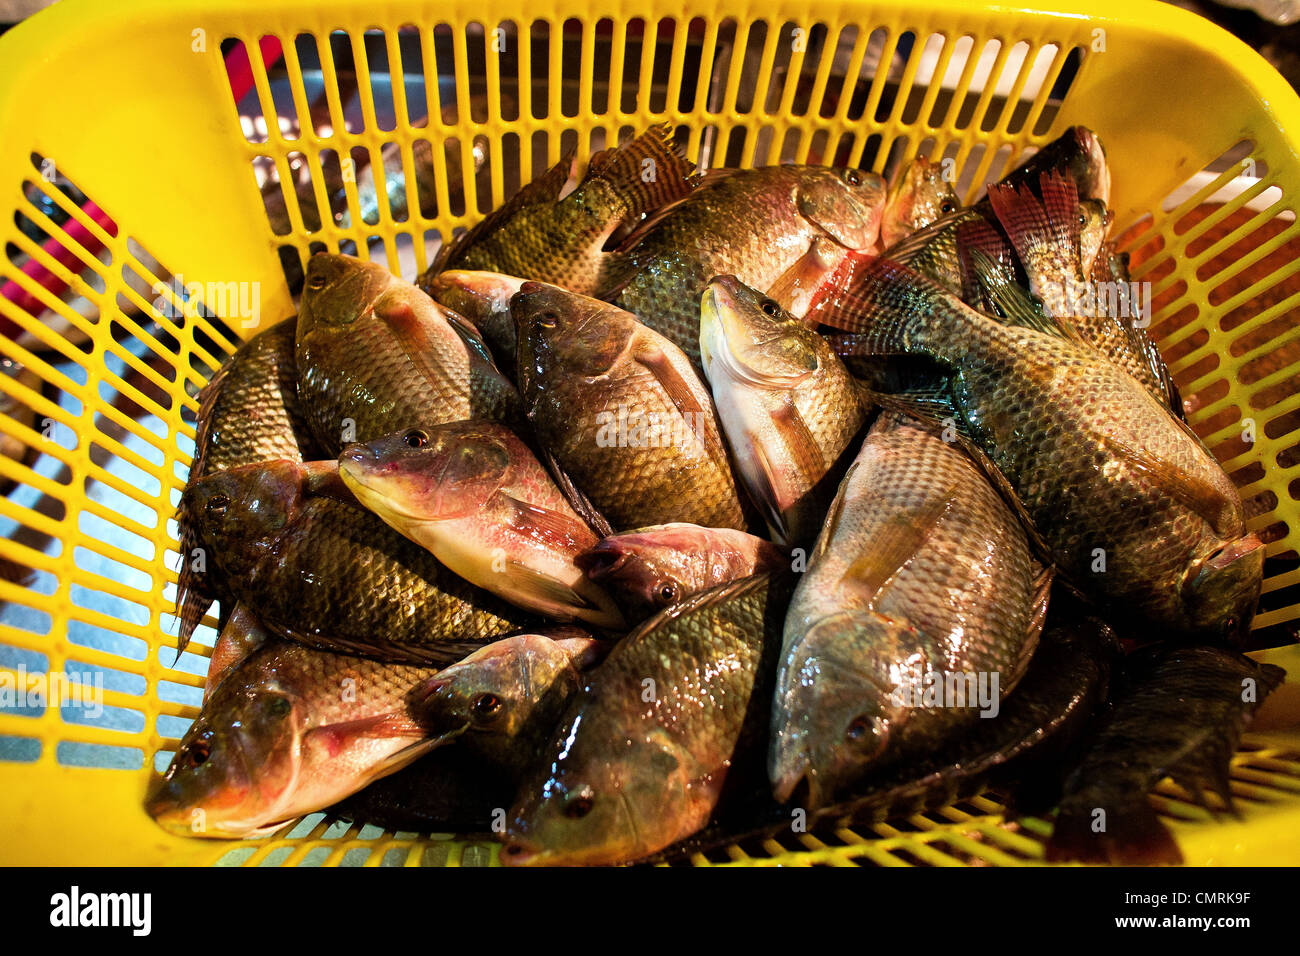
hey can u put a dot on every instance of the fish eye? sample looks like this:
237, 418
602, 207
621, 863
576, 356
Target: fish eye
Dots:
770, 308
947, 206
198, 751
853, 177
579, 804
218, 504
859, 729
547, 319
279, 707
415, 438
316, 282
667, 593
486, 706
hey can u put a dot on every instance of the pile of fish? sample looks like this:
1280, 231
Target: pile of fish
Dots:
669, 509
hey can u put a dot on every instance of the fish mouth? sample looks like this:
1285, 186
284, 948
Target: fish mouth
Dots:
522, 853
600, 562
360, 480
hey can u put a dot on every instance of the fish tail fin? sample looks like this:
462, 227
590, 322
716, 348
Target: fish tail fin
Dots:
982, 235
647, 172
1128, 834
1035, 225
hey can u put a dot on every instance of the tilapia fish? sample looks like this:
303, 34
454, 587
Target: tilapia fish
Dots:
539, 235
1177, 712
640, 759
376, 355
484, 299
289, 731
758, 225
474, 495
919, 194
328, 573
921, 586
652, 568
504, 701
242, 634
1132, 506
249, 411
1034, 730
788, 406
622, 411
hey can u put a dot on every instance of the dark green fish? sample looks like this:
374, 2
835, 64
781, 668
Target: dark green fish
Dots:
328, 573
641, 757
1175, 712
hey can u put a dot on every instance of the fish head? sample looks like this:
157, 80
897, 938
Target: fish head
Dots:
919, 195
837, 712
567, 333
648, 570
846, 204
497, 689
429, 473
751, 339
1221, 592
605, 799
338, 290
1094, 221
1088, 166
242, 510
237, 764
475, 295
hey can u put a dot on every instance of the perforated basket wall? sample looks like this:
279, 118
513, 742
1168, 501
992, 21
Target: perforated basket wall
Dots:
129, 170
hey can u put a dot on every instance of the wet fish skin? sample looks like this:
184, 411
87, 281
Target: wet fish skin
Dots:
541, 235
376, 355
330, 574
636, 766
789, 408
289, 731
484, 299
622, 411
652, 568
473, 495
249, 411
1176, 711
504, 701
1096, 460
921, 572
755, 224
919, 194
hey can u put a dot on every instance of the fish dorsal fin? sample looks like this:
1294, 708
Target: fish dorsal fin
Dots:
1035, 225
543, 190
647, 172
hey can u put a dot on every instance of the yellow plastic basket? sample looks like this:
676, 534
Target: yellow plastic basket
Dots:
131, 102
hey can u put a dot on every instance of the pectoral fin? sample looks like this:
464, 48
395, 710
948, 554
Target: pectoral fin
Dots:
1200, 497
684, 399
895, 545
553, 529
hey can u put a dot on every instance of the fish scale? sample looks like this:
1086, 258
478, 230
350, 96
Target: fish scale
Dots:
1103, 469
922, 568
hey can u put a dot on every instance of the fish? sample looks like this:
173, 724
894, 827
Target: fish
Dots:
756, 224
789, 408
249, 411
919, 194
922, 584
1037, 727
376, 355
448, 790
290, 542
1176, 711
641, 758
543, 235
651, 568
473, 495
242, 634
1131, 506
504, 701
622, 412
290, 730
484, 299
1077, 154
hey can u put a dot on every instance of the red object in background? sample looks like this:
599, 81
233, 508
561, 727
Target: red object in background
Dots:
240, 73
